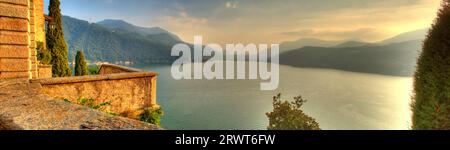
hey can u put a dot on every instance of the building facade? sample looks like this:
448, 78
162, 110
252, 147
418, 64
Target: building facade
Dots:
22, 24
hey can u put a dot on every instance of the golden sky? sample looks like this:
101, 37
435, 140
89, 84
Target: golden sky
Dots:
265, 21
274, 23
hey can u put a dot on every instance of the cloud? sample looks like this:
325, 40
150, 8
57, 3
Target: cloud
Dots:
276, 21
377, 21
184, 14
109, 1
364, 34
182, 21
231, 4
183, 24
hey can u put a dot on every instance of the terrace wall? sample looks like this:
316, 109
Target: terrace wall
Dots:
129, 91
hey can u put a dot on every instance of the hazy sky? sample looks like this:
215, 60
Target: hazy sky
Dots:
264, 21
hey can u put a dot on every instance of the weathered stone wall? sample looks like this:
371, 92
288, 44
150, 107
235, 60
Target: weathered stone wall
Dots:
45, 71
39, 21
24, 107
14, 39
17, 39
106, 69
32, 45
112, 69
129, 93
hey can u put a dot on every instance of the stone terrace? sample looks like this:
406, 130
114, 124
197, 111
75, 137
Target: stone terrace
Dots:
24, 107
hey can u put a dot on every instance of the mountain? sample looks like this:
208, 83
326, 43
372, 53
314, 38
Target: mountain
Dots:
286, 46
313, 42
114, 41
408, 36
397, 59
120, 24
127, 27
352, 44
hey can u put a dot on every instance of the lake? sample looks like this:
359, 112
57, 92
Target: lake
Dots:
336, 99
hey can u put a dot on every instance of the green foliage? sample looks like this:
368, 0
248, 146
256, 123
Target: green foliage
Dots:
43, 55
89, 102
289, 116
56, 43
67, 101
80, 64
431, 101
152, 115
94, 70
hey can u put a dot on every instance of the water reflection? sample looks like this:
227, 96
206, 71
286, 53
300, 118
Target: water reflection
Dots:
337, 99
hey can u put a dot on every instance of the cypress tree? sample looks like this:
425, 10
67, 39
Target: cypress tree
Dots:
56, 43
431, 102
80, 64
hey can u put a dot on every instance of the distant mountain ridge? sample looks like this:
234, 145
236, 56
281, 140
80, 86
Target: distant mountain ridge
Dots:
125, 26
352, 44
398, 59
116, 40
404, 37
290, 45
408, 36
394, 56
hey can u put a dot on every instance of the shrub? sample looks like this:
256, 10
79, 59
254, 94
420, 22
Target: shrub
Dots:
43, 55
152, 115
289, 116
93, 70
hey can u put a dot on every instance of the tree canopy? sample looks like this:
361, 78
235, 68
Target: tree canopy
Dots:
81, 68
289, 116
431, 101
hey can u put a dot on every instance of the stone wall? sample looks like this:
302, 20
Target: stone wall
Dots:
24, 107
17, 39
32, 45
39, 21
14, 39
112, 69
45, 71
129, 93
106, 69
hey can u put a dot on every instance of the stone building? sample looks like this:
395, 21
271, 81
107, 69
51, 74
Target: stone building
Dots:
21, 26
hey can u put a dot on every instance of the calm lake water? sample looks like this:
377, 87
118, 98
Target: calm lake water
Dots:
337, 99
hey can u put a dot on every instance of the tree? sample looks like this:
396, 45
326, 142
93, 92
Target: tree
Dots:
289, 116
81, 68
431, 100
56, 43
94, 70
43, 55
